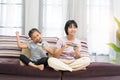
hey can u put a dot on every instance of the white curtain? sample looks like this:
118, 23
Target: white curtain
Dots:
96, 25
11, 16
78, 12
100, 27
53, 15
94, 18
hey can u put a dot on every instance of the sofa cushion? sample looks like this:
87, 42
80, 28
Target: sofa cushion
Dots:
95, 69
16, 69
19, 77
51, 40
9, 52
84, 48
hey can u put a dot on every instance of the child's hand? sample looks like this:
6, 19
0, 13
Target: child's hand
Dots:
17, 33
75, 48
65, 45
43, 47
72, 44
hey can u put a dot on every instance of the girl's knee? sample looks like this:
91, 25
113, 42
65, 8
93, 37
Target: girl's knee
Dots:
51, 59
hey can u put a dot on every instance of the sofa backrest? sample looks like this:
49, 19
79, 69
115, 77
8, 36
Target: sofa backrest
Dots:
84, 47
9, 52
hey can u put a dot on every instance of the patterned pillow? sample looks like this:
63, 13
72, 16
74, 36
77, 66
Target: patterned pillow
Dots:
51, 40
84, 48
9, 52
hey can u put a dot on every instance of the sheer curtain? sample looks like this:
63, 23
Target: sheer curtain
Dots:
94, 18
53, 15
100, 26
11, 16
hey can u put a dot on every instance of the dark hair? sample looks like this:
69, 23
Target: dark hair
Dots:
32, 31
68, 24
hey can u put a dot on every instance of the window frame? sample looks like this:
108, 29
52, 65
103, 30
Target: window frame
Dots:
22, 28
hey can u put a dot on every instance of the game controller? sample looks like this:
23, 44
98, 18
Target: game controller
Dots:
72, 44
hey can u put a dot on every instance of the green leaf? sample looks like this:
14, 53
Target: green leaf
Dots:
117, 21
114, 47
114, 60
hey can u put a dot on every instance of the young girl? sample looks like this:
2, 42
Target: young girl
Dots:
69, 54
38, 49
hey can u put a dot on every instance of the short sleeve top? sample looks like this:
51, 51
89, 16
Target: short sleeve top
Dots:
36, 50
68, 53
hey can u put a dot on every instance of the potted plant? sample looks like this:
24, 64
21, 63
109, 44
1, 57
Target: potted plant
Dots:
116, 47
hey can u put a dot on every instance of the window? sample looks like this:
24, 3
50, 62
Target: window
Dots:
53, 15
11, 16
99, 25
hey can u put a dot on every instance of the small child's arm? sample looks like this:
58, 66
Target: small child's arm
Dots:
49, 50
19, 44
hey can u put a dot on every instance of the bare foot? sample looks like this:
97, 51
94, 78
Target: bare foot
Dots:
41, 67
21, 63
79, 69
84, 68
56, 69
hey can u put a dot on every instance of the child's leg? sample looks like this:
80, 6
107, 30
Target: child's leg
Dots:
24, 59
80, 64
21, 63
40, 67
27, 61
58, 65
41, 63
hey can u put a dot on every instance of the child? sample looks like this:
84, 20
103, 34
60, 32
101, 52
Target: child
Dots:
38, 49
69, 54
